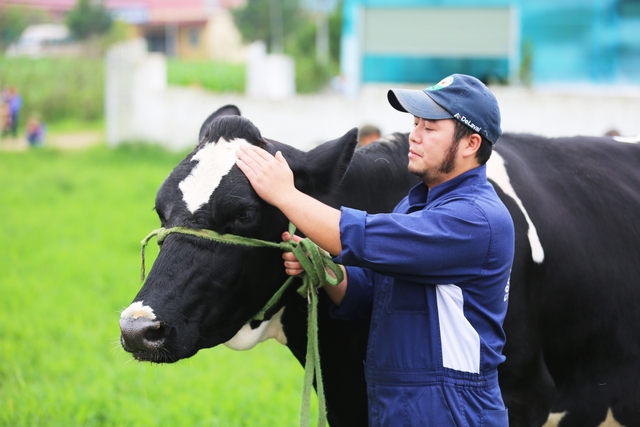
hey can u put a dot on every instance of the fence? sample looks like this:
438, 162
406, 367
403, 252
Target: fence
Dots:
141, 107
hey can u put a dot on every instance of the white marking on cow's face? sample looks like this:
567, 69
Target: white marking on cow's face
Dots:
498, 174
247, 338
215, 160
137, 310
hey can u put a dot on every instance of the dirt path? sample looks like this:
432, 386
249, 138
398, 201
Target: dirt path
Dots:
65, 141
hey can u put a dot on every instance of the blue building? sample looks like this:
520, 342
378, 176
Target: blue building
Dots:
508, 41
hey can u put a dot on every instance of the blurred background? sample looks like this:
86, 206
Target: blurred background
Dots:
151, 70
101, 99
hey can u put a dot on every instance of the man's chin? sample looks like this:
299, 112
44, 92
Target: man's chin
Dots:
420, 173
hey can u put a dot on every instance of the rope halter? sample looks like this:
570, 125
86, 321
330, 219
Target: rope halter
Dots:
318, 267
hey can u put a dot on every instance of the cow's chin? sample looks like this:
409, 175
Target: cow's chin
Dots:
160, 354
156, 357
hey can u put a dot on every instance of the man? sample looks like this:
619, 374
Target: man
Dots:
433, 275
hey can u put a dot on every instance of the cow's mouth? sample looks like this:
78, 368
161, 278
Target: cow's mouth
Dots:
153, 357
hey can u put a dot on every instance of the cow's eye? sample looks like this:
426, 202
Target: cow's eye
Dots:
246, 215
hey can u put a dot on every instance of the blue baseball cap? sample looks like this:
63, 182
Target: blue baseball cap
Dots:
457, 96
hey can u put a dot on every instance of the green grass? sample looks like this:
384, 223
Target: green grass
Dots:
72, 125
70, 228
210, 75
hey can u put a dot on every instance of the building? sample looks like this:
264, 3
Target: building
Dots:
202, 29
517, 41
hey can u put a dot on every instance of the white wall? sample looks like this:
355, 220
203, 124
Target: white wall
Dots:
139, 106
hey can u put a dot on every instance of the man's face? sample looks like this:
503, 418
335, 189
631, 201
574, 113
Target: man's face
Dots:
432, 151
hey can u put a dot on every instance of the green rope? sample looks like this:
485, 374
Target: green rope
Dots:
317, 264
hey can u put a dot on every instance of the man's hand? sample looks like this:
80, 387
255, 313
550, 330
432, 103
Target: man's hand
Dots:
272, 179
291, 264
269, 176
293, 268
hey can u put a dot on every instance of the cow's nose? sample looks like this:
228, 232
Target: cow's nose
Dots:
142, 334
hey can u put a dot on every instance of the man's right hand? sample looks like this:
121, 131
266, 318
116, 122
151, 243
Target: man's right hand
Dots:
291, 264
293, 268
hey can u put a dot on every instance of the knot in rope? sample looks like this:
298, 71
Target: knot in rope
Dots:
319, 269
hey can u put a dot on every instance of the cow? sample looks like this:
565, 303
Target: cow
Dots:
571, 327
572, 323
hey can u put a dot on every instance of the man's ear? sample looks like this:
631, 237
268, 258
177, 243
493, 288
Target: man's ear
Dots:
472, 145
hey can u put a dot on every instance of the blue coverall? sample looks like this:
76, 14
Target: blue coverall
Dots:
433, 276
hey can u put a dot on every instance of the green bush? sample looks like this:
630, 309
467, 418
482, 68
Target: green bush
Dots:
210, 75
72, 89
14, 19
298, 36
311, 76
57, 88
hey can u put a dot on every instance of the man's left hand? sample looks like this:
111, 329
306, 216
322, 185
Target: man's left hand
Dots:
269, 176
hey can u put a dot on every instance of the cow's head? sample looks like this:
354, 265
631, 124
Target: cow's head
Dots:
200, 293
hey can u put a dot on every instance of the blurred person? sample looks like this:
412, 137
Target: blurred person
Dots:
5, 117
367, 134
14, 101
35, 131
433, 275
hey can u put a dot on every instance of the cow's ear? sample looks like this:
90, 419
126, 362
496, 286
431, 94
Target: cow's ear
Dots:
323, 168
227, 110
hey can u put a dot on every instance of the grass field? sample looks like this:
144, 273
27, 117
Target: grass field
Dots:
214, 76
70, 227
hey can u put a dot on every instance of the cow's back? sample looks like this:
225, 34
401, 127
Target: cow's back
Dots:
576, 306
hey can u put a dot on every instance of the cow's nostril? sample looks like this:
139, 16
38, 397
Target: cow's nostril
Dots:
156, 333
142, 335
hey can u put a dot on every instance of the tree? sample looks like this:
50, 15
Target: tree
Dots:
290, 26
14, 19
88, 18
274, 21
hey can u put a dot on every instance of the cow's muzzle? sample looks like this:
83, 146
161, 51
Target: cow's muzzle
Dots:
145, 339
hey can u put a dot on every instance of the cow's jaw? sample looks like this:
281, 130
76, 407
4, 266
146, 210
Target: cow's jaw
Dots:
247, 338
215, 160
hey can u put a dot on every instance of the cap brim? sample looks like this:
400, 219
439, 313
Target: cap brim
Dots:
418, 103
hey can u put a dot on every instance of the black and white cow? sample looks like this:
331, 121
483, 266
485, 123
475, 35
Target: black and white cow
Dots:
573, 323
573, 328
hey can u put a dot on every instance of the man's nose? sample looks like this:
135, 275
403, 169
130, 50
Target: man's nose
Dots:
413, 136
